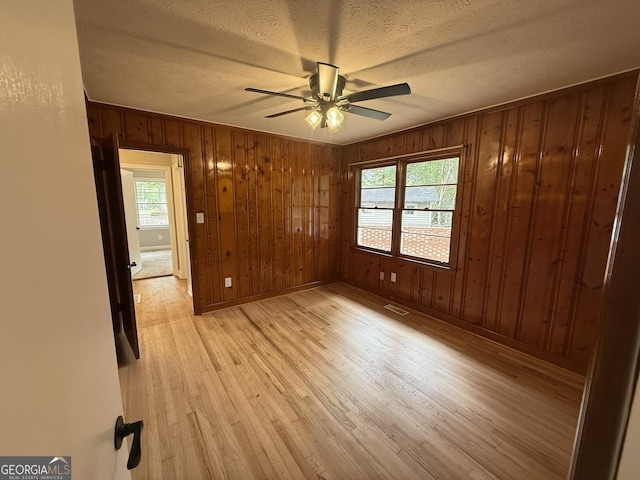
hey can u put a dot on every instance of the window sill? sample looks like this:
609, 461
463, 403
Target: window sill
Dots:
155, 227
424, 263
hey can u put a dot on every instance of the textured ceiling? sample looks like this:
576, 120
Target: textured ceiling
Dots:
193, 58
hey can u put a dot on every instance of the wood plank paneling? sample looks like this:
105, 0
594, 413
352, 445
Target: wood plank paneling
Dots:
480, 224
538, 196
499, 233
271, 204
241, 191
277, 209
254, 243
297, 214
136, 128
611, 151
584, 172
211, 208
550, 201
519, 214
227, 222
265, 212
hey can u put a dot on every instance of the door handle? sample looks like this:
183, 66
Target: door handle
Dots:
124, 430
129, 265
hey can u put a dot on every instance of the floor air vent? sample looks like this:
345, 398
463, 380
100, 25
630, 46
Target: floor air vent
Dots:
395, 309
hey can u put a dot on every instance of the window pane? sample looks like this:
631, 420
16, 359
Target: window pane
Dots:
378, 197
433, 172
379, 177
374, 228
426, 235
375, 218
151, 197
446, 197
421, 197
374, 238
154, 220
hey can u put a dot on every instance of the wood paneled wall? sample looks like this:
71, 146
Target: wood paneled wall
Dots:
539, 194
270, 203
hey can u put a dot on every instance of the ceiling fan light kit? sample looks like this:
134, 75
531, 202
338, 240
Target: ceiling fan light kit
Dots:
327, 101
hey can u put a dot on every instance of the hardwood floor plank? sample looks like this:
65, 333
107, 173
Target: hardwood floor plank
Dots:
325, 383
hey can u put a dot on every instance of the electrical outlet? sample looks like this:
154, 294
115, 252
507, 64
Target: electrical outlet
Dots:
199, 217
381, 275
159, 237
393, 276
227, 282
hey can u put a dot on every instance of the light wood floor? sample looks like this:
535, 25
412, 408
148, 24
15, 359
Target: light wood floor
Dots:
327, 384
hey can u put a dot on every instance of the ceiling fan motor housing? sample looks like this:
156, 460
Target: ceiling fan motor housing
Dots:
316, 94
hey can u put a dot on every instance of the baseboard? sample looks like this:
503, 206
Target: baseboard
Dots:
156, 247
262, 296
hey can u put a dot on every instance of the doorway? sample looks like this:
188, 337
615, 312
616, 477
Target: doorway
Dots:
154, 194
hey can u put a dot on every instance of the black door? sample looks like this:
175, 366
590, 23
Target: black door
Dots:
106, 167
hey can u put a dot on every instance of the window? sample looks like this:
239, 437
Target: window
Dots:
413, 205
151, 198
377, 200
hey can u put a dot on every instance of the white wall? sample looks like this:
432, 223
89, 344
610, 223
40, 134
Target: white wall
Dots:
140, 157
60, 391
150, 238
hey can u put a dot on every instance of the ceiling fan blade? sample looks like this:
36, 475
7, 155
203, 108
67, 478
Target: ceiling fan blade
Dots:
274, 115
390, 91
368, 112
277, 94
327, 80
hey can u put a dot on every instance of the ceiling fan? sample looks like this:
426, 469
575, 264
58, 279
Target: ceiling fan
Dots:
327, 101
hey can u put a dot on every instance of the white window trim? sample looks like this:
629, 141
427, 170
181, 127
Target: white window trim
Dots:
151, 179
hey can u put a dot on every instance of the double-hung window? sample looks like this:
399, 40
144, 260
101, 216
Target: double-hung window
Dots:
151, 199
408, 207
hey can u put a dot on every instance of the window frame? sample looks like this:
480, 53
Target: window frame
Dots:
151, 179
401, 163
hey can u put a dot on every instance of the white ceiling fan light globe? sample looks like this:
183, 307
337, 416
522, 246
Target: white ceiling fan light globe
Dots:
314, 119
334, 119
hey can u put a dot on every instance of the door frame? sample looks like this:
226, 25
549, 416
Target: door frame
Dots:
170, 203
191, 215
